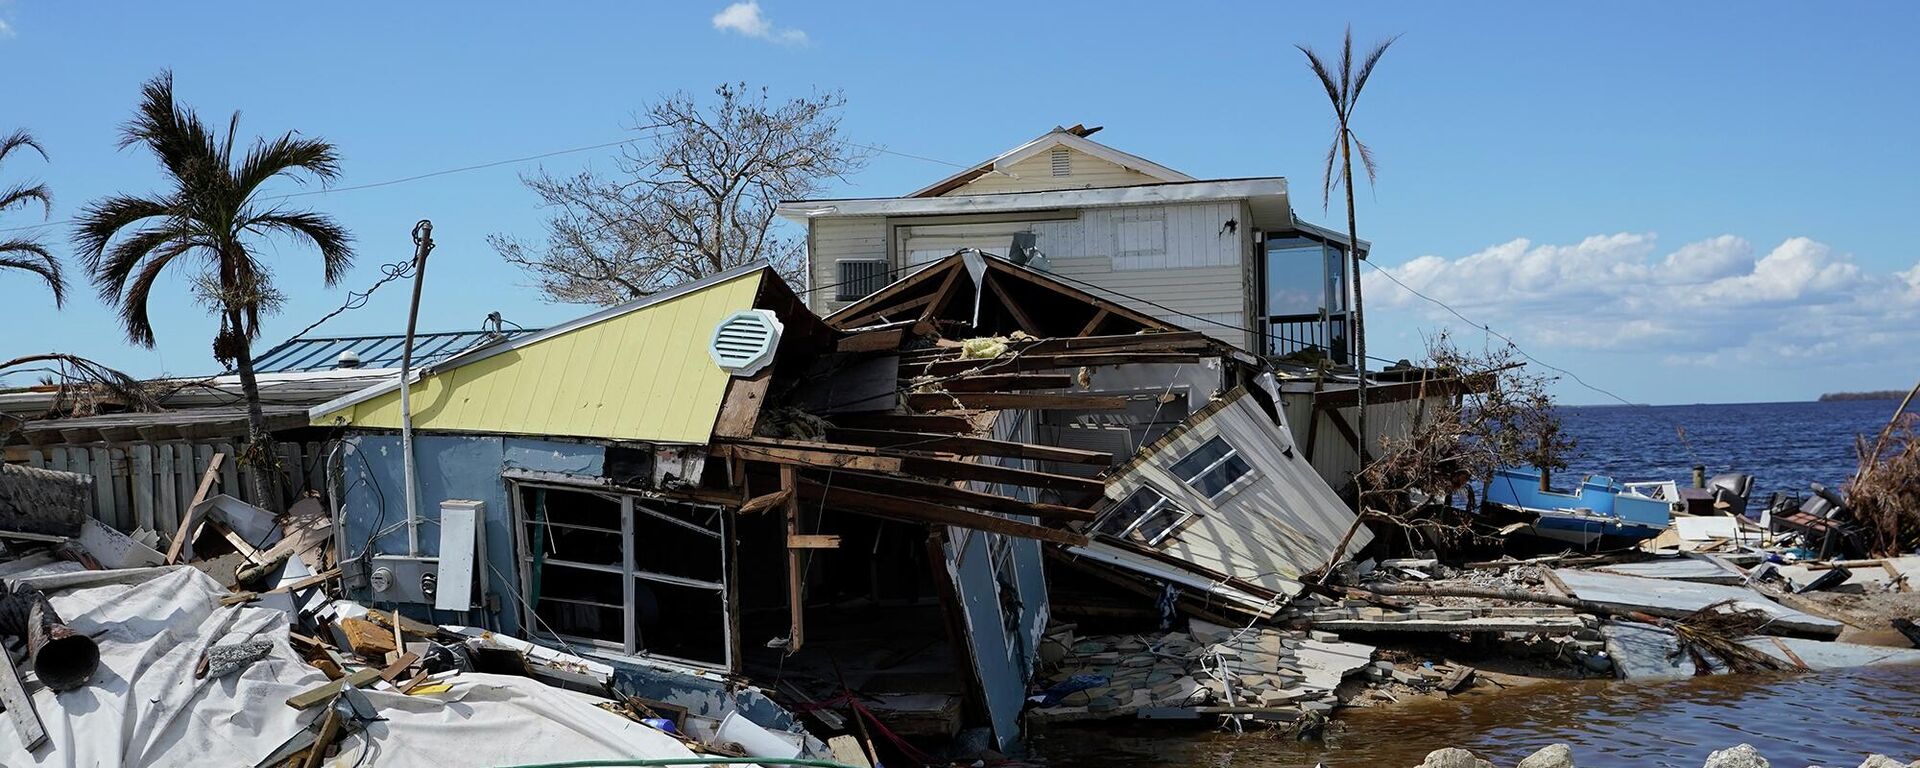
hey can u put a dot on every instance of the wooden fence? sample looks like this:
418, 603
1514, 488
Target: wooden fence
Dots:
150, 484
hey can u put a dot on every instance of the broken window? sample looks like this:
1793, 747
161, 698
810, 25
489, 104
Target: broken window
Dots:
1212, 468
626, 574
1146, 516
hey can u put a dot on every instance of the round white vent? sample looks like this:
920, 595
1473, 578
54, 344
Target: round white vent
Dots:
744, 342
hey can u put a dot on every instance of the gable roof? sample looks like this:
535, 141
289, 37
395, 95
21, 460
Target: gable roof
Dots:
635, 371
991, 295
1072, 138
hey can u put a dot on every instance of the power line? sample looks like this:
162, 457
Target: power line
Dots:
1496, 334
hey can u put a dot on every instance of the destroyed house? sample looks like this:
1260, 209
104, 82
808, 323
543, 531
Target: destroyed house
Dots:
714, 484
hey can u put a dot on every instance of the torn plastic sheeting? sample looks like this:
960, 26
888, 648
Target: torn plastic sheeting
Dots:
144, 707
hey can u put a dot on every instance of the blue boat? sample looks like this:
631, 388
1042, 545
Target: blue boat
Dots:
1601, 512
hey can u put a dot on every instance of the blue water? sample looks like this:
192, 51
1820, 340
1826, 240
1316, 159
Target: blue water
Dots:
1785, 446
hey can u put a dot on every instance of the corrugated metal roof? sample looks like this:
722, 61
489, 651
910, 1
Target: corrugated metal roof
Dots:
383, 351
638, 371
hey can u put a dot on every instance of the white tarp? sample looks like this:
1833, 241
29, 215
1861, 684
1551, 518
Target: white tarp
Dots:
144, 707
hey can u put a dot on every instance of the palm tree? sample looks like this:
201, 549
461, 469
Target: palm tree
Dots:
1344, 92
26, 253
212, 222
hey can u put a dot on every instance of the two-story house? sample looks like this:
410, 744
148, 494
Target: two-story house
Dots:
1227, 257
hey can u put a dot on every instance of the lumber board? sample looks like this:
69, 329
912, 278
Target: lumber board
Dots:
815, 458
873, 341
1008, 382
906, 422
1012, 362
796, 567
407, 625
812, 541
947, 494
740, 410
765, 502
26, 719
321, 694
955, 469
916, 511
966, 445
950, 401
399, 666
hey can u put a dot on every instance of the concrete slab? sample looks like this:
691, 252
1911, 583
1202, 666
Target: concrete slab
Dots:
1631, 592
1326, 664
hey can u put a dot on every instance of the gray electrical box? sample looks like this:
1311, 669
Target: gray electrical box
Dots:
402, 579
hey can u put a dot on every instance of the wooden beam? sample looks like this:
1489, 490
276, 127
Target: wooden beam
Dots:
1009, 382
916, 511
906, 422
942, 295
740, 410
1013, 307
759, 504
966, 446
1070, 292
13, 693
1025, 362
1099, 316
1340, 424
796, 606
873, 341
321, 694
954, 401
955, 469
812, 541
815, 458
187, 528
887, 293
1183, 341
947, 494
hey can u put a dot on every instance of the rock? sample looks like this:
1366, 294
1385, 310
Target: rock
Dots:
1743, 756
1554, 756
1453, 757
1882, 761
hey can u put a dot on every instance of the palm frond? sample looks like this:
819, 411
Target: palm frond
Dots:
133, 301
285, 155
1366, 158
1346, 70
23, 193
333, 240
29, 256
20, 138
76, 370
1327, 180
111, 273
97, 224
1716, 631
1366, 69
1326, 80
175, 134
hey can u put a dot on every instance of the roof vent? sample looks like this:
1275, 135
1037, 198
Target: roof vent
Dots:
348, 359
1062, 161
744, 342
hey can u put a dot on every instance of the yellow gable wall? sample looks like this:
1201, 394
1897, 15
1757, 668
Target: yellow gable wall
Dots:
1035, 174
644, 375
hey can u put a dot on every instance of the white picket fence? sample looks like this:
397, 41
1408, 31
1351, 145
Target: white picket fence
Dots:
150, 485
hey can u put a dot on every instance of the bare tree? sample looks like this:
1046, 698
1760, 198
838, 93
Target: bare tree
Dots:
696, 198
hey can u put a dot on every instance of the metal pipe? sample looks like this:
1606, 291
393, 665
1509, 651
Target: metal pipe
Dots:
422, 245
62, 658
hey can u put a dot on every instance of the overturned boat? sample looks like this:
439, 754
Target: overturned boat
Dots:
1600, 512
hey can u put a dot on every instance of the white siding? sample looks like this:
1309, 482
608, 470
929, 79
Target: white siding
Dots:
832, 239
1035, 174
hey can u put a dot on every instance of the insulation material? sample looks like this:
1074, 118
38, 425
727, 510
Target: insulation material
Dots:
145, 708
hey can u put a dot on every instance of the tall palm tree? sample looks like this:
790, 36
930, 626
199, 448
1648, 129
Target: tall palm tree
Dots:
26, 253
1344, 92
210, 222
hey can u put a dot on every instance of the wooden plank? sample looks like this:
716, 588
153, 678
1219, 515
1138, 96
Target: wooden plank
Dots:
293, 470
13, 693
796, 567
966, 446
1008, 382
366, 638
906, 422
878, 298
1094, 324
916, 511
812, 541
1012, 306
1010, 363
123, 518
101, 467
325, 692
229, 470
166, 512
183, 477
740, 409
140, 480
760, 504
873, 341
951, 401
955, 469
947, 494
812, 458
407, 625
943, 295
399, 666
58, 458
185, 532
1178, 341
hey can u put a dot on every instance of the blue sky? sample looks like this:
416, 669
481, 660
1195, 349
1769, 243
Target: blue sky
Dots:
1682, 204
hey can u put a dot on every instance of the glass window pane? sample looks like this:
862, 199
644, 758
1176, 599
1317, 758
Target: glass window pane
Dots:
1121, 517
1216, 480
1159, 524
1200, 459
1296, 276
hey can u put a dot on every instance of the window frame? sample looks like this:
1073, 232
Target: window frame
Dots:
1182, 517
630, 507
1231, 487
841, 285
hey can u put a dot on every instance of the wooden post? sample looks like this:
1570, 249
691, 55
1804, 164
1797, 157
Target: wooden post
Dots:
186, 529
794, 586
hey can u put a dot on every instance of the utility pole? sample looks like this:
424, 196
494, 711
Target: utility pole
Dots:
422, 245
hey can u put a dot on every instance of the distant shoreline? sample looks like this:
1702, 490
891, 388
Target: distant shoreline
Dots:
1881, 395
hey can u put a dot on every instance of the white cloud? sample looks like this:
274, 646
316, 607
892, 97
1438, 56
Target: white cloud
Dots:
6, 30
745, 19
1709, 301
